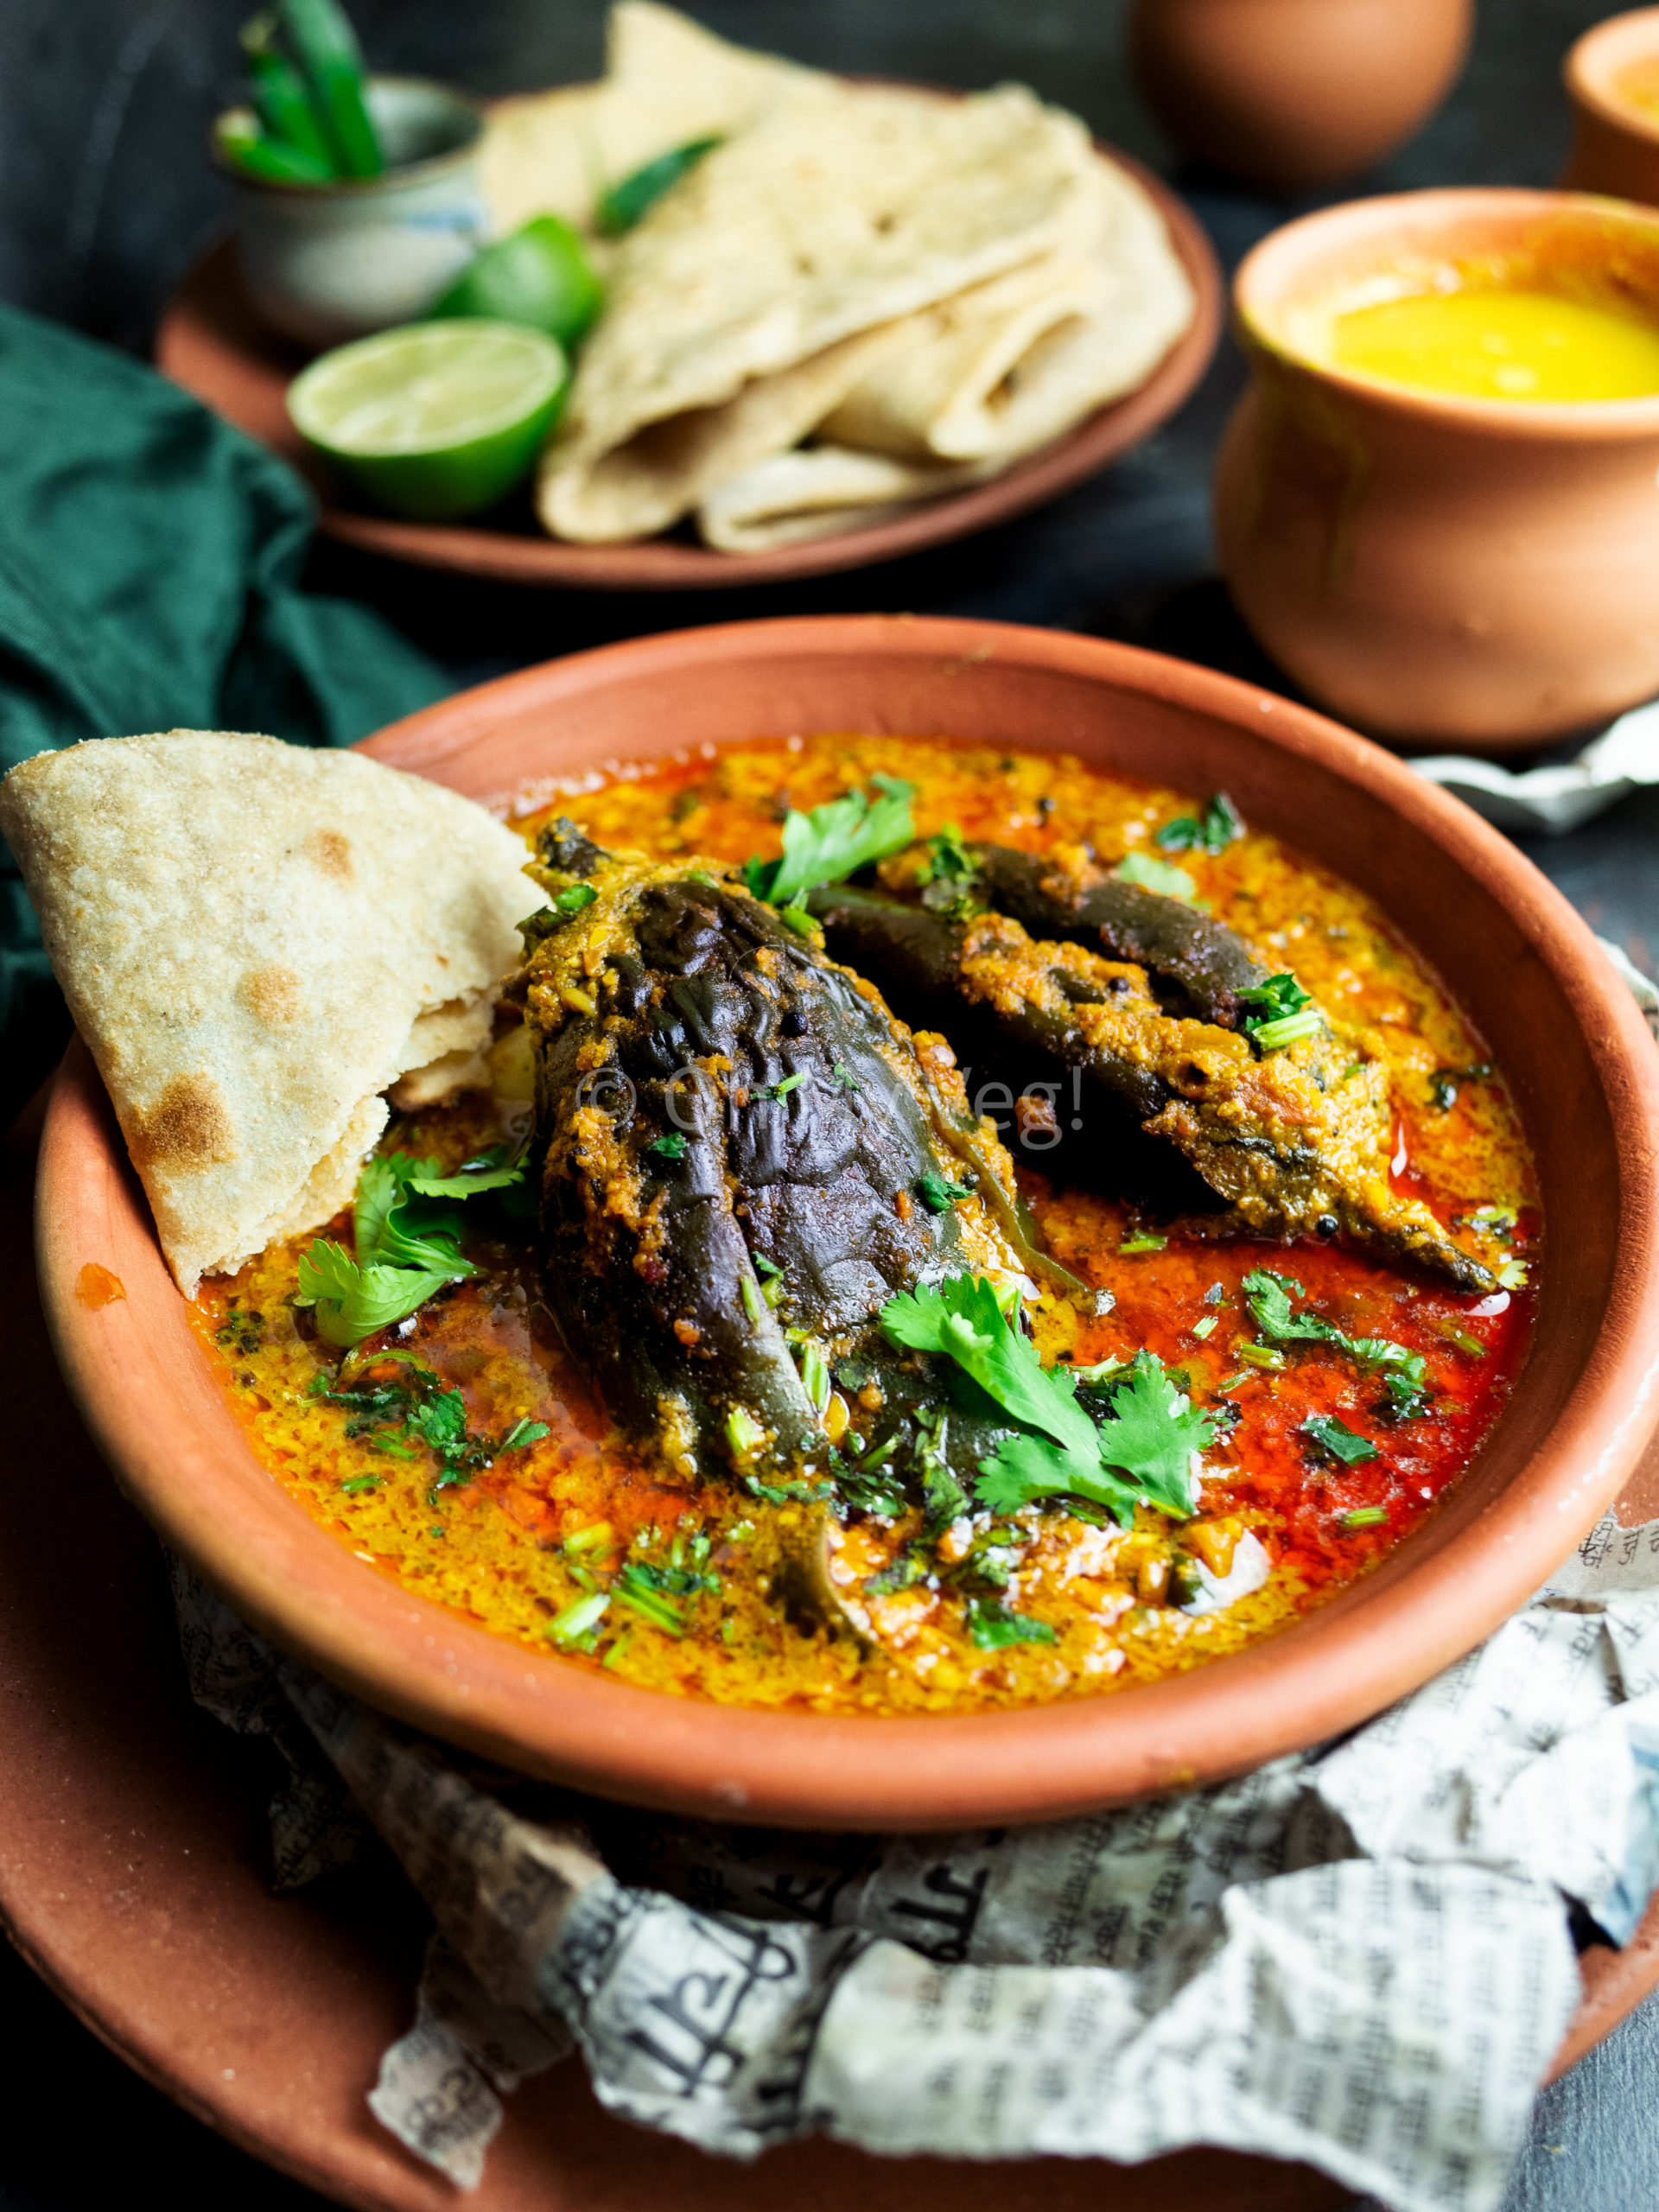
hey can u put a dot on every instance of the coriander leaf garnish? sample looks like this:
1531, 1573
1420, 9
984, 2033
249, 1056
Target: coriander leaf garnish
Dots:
406, 1225
1143, 1449
1405, 1376
1278, 1012
834, 840
938, 1196
1155, 875
1342, 1442
991, 1626
352, 1301
397, 1404
1212, 832
673, 1145
947, 876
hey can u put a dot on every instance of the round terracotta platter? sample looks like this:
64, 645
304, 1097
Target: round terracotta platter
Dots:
130, 1878
1578, 1056
211, 342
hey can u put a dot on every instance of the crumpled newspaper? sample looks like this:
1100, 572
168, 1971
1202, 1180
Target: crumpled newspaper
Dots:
1562, 795
1362, 1956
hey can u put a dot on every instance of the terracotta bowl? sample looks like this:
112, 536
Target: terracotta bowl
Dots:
1615, 137
1471, 574
1564, 1028
1291, 94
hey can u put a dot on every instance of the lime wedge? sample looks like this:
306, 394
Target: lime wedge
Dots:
436, 418
539, 276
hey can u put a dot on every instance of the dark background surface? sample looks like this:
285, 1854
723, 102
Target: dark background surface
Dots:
107, 197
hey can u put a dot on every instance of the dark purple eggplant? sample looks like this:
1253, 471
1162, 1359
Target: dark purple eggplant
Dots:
744, 1158
1295, 1141
1194, 965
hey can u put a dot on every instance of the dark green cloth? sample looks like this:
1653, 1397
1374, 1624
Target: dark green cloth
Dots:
150, 564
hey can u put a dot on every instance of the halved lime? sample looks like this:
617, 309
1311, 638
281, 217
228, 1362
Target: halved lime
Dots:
436, 418
539, 276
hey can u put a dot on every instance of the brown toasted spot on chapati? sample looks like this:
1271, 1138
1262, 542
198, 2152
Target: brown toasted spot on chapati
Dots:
189, 1126
329, 851
272, 995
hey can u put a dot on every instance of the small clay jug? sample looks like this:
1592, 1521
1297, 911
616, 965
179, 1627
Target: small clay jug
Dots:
1480, 574
1615, 135
1296, 92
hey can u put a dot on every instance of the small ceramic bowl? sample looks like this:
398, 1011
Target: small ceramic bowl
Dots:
1291, 93
325, 263
1611, 76
1468, 574
1559, 1021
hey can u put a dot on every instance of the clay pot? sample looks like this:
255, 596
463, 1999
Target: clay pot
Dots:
1291, 93
1560, 1024
1476, 574
1615, 141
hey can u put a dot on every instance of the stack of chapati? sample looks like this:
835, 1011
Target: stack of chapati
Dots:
864, 297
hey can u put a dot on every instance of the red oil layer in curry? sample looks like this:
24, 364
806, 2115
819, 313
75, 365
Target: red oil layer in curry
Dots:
527, 1538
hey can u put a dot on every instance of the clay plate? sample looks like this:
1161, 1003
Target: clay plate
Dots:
1559, 1021
211, 342
132, 1881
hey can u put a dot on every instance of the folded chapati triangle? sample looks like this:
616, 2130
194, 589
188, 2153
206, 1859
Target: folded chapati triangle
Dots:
256, 942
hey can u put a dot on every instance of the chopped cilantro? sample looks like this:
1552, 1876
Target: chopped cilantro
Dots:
398, 1405
763, 1266
1405, 1376
1335, 1437
1143, 1450
781, 1090
1202, 1329
1212, 832
359, 1484
947, 876
905, 1568
1444, 1083
992, 1626
1512, 1276
674, 1146
938, 1196
634, 1587
1154, 875
833, 842
1364, 1517
842, 1081
1278, 1012
577, 1621
1496, 1221
1143, 1241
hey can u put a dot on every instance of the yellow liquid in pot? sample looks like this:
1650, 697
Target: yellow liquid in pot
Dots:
1501, 345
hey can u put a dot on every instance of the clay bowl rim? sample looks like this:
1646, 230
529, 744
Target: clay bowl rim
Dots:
1272, 272
142, 1381
1588, 68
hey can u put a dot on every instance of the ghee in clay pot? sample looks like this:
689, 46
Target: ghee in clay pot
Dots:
1437, 505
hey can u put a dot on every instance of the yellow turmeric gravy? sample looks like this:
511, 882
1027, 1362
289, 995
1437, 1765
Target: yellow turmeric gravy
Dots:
516, 1545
